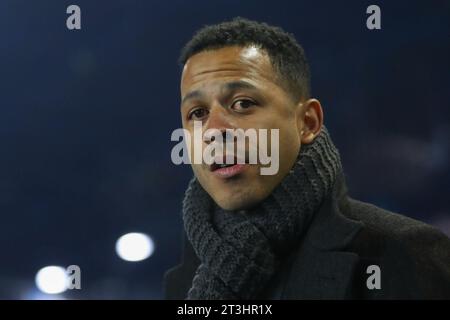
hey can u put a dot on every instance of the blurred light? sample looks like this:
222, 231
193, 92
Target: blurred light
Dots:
51, 280
134, 246
33, 294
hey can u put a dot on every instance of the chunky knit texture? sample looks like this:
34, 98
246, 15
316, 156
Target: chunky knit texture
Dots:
240, 251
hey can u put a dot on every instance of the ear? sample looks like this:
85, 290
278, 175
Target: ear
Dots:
311, 120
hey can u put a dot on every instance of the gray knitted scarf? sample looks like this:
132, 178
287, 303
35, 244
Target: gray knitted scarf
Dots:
240, 251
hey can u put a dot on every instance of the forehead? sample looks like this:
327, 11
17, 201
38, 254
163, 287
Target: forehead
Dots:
212, 67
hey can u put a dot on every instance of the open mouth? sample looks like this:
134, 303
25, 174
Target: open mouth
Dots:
217, 166
227, 170
221, 163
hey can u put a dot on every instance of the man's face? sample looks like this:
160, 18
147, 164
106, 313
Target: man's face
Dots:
237, 88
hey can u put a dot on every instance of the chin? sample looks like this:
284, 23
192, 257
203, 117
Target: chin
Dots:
231, 204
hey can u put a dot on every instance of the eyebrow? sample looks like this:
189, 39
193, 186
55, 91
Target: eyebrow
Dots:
229, 86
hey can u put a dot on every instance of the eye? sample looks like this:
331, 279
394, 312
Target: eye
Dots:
198, 114
242, 104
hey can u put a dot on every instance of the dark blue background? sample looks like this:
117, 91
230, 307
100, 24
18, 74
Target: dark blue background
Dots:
86, 118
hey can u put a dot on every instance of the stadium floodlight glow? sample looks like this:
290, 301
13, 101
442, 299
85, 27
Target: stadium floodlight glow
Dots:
51, 279
134, 246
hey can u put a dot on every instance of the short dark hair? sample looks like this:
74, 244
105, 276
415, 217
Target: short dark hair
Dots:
285, 53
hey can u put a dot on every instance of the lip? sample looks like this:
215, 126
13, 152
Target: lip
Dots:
228, 172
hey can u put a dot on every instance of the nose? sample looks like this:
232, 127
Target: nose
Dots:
216, 124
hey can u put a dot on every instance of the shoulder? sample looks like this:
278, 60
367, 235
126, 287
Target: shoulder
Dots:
177, 280
413, 256
397, 228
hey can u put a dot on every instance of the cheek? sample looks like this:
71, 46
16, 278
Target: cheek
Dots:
289, 136
289, 145
194, 145
196, 168
201, 177
288, 130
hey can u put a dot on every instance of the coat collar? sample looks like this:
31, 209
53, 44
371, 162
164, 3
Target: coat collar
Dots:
331, 229
321, 268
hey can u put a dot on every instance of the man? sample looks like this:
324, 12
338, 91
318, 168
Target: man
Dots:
295, 234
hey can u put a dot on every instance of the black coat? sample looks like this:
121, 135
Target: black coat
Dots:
345, 237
